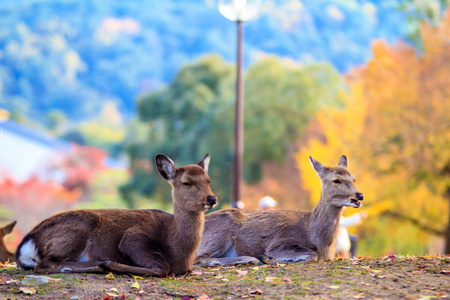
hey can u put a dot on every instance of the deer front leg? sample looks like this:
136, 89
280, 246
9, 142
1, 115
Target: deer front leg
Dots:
145, 254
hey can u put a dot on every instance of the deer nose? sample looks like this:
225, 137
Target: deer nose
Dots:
212, 200
359, 196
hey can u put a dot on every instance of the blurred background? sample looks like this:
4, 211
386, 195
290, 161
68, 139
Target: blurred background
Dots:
91, 91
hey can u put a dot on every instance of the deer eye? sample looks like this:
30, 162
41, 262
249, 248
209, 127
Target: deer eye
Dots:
337, 181
187, 183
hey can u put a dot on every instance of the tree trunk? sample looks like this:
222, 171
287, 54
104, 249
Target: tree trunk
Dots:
447, 230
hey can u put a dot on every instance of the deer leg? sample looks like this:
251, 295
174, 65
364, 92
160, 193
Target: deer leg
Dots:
160, 271
290, 252
143, 252
48, 266
205, 261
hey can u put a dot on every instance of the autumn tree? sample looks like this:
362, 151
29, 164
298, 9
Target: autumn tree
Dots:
395, 131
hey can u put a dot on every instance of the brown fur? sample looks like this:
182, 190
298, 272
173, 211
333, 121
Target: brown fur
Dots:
5, 255
142, 242
232, 236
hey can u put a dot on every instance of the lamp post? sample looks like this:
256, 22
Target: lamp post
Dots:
238, 11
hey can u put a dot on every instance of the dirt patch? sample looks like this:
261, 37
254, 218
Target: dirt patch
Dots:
389, 277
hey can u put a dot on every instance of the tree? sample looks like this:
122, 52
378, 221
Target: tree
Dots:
394, 129
194, 115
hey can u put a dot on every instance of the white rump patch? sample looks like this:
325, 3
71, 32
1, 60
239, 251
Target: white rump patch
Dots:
28, 256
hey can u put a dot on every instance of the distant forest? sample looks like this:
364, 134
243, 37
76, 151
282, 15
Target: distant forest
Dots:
74, 56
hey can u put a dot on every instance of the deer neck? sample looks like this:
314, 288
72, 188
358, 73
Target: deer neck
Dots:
325, 219
186, 230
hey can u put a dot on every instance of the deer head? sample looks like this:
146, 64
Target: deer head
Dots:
338, 184
190, 184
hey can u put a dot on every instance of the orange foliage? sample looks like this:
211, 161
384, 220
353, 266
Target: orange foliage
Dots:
395, 131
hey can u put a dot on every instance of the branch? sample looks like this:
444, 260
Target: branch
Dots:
415, 222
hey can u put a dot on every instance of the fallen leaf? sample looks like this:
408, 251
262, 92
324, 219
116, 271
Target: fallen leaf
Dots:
27, 290
111, 295
334, 287
242, 273
12, 281
197, 272
203, 297
135, 285
114, 290
359, 296
110, 276
270, 279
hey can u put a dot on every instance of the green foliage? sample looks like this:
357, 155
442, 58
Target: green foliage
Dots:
55, 121
417, 11
194, 115
281, 98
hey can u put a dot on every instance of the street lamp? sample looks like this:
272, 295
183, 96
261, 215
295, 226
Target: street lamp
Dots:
238, 11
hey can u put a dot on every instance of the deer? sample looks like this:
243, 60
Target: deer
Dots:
143, 242
232, 236
5, 255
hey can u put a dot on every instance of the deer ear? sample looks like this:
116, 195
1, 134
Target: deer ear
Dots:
204, 163
343, 162
165, 166
8, 228
316, 165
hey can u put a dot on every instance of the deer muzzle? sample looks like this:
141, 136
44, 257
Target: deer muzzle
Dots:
212, 200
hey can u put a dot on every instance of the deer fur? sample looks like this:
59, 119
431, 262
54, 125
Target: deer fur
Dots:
141, 242
5, 255
232, 236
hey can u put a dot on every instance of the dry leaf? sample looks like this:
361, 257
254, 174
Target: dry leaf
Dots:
135, 285
110, 276
197, 272
359, 296
27, 290
334, 287
242, 273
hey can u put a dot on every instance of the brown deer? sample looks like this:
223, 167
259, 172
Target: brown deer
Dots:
232, 236
141, 242
5, 255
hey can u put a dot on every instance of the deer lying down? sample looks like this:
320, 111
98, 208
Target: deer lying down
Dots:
141, 242
5, 255
232, 236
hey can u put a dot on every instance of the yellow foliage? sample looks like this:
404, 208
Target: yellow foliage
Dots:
395, 131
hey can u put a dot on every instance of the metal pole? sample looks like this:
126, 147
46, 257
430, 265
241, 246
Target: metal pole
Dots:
239, 123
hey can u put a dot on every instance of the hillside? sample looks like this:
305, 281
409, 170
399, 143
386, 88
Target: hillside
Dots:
76, 55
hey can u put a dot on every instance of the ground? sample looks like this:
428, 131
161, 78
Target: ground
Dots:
389, 277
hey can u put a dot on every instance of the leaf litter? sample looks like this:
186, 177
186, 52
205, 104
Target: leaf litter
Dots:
393, 276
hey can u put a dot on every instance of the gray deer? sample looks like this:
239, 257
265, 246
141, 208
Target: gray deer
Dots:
232, 236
